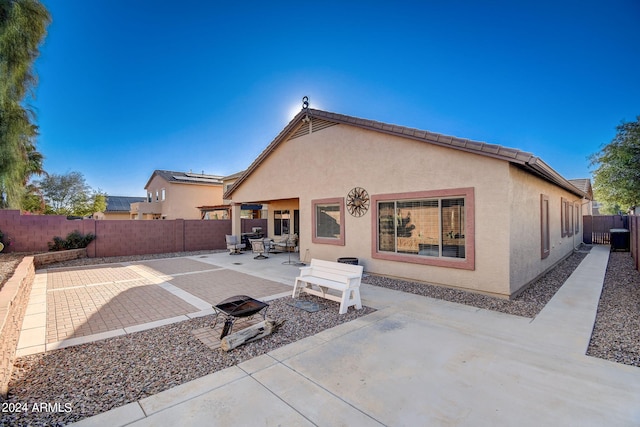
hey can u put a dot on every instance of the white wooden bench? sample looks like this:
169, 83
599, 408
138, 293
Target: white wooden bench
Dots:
320, 276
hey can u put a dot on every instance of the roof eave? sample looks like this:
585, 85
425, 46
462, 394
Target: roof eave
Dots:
538, 167
276, 141
527, 160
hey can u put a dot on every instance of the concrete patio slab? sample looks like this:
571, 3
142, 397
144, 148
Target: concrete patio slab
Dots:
314, 402
231, 403
416, 361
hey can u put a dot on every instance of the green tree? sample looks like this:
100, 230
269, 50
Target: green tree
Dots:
23, 25
616, 180
32, 201
609, 209
70, 195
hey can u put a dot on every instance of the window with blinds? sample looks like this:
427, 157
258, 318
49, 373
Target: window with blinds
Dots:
328, 221
429, 227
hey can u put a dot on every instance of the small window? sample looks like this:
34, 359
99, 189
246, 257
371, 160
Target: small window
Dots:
572, 218
328, 221
164, 194
545, 239
566, 217
281, 219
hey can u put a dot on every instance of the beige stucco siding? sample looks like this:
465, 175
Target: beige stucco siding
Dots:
330, 162
525, 242
182, 200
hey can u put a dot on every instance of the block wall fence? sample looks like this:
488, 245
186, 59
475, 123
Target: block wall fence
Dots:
634, 228
31, 233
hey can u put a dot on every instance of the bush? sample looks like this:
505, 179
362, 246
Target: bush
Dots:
74, 240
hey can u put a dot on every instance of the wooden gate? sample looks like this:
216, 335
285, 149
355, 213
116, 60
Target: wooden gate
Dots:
595, 229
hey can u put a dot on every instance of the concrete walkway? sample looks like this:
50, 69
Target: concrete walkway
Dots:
418, 361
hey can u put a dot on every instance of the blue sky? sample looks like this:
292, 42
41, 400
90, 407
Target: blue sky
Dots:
130, 86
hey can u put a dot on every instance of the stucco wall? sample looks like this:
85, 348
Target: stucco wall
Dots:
281, 205
525, 246
181, 200
330, 162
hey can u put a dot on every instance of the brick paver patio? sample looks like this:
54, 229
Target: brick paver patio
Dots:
82, 276
215, 286
92, 302
174, 266
87, 310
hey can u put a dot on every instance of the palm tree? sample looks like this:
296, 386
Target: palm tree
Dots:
23, 26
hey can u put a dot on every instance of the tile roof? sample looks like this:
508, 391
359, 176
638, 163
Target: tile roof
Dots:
583, 184
524, 159
233, 175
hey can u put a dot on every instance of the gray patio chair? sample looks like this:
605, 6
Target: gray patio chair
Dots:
268, 246
234, 245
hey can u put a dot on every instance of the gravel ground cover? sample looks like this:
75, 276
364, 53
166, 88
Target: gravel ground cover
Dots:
527, 304
88, 379
92, 378
8, 263
616, 333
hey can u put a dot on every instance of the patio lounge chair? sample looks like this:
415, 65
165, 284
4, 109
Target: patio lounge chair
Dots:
258, 247
288, 242
234, 245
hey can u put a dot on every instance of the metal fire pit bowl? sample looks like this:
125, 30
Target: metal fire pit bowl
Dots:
236, 307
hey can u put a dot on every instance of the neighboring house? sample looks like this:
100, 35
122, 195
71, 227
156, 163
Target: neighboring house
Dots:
414, 204
584, 185
118, 207
223, 211
177, 195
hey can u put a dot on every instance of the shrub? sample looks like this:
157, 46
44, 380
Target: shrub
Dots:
74, 240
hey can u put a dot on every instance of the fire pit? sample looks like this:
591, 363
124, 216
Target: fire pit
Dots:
236, 307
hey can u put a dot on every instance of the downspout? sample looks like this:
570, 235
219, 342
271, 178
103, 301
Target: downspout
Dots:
584, 202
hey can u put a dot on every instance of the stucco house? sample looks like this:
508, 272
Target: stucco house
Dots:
118, 207
177, 195
223, 211
414, 204
584, 184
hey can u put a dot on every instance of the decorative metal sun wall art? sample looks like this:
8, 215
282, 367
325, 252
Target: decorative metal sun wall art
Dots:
358, 201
